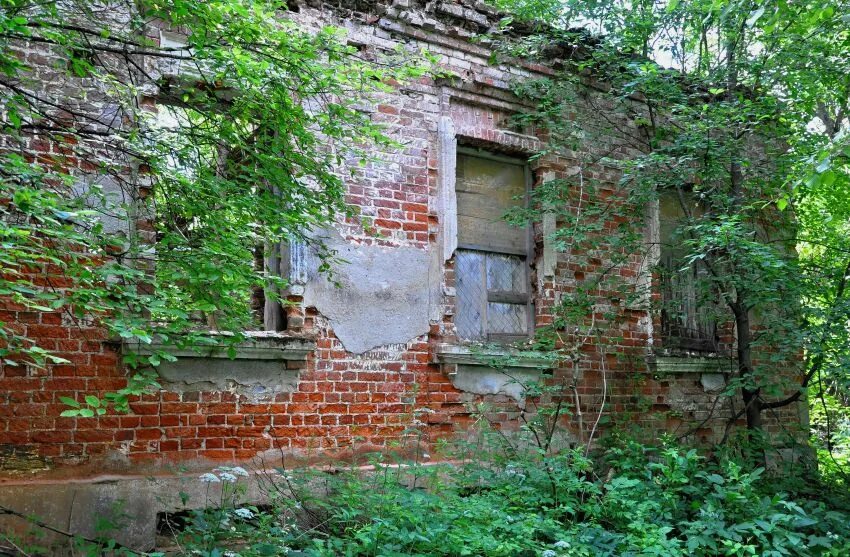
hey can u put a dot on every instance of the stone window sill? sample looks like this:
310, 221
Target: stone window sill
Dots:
712, 371
672, 365
486, 370
478, 355
260, 367
258, 346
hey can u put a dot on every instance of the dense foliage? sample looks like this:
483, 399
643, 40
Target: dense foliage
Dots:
739, 110
629, 500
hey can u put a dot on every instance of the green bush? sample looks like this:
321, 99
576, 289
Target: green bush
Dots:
630, 500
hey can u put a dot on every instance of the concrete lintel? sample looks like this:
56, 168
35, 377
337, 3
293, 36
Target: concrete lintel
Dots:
474, 355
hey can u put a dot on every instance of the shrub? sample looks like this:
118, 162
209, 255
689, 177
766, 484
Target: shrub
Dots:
632, 500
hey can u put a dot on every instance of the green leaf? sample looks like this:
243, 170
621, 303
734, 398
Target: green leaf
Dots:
828, 178
269, 549
93, 401
813, 180
69, 401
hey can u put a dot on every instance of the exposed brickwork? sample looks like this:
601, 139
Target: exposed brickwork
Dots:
345, 403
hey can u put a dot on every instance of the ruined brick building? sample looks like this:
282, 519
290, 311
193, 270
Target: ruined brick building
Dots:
436, 274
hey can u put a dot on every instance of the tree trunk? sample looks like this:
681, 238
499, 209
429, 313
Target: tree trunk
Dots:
751, 397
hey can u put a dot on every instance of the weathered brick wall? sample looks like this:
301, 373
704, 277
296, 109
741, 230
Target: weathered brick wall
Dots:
345, 403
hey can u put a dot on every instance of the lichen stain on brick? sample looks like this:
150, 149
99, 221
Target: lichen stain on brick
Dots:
22, 459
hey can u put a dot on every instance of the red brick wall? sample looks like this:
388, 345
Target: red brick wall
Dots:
347, 403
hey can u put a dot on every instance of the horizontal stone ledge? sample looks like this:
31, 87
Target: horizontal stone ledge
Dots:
77, 504
260, 367
672, 365
257, 346
479, 355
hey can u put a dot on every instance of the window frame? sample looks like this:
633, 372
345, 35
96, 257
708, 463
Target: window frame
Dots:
673, 335
527, 254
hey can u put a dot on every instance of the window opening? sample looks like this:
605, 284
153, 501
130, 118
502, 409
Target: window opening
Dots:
688, 313
266, 308
492, 260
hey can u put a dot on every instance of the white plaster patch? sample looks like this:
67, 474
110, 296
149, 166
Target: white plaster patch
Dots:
712, 382
483, 380
378, 296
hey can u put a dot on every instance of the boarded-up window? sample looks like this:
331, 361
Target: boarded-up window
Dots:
688, 314
491, 262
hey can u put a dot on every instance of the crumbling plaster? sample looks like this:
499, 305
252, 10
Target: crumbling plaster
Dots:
257, 368
375, 295
486, 370
483, 380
